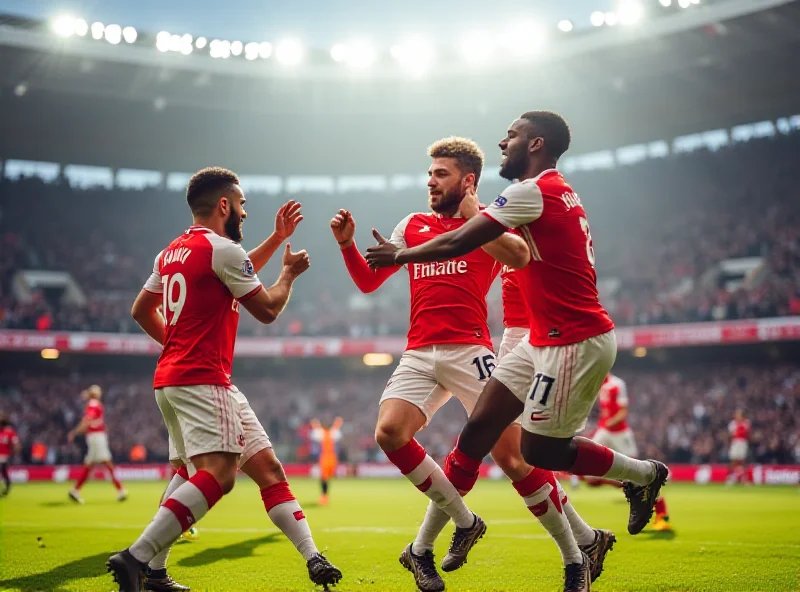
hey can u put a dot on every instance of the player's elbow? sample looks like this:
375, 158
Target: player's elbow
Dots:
265, 316
519, 257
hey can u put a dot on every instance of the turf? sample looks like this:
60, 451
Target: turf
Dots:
725, 539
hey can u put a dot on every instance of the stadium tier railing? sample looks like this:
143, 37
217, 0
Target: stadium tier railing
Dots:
700, 474
628, 338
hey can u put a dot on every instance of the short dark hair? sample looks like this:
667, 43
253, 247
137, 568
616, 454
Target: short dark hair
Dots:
205, 188
553, 129
466, 152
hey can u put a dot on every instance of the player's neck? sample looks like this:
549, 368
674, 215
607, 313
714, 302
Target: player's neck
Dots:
215, 226
537, 168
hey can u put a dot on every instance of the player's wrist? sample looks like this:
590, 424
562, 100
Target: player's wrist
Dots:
345, 244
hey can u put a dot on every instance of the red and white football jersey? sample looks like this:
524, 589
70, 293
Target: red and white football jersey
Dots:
8, 440
95, 416
559, 284
515, 310
613, 397
203, 277
448, 299
739, 429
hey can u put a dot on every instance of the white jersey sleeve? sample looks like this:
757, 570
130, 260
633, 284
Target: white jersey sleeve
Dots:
398, 238
622, 393
153, 283
232, 265
518, 204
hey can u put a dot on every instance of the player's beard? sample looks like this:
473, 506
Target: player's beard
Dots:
514, 165
233, 227
449, 200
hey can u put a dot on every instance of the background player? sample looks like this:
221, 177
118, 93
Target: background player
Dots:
571, 346
326, 439
202, 277
739, 430
97, 451
9, 448
614, 432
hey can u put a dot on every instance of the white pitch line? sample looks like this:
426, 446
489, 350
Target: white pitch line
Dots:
373, 530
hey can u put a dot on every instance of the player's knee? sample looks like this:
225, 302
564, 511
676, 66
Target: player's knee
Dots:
511, 463
391, 435
226, 482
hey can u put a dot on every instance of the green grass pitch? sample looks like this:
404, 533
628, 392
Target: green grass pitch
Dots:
725, 539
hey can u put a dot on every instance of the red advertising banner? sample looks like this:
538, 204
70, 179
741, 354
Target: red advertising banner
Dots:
700, 474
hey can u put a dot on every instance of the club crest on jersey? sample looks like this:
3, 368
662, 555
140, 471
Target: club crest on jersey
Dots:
247, 268
425, 228
500, 201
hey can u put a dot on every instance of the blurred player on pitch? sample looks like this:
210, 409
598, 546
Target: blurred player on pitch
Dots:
93, 425
555, 375
200, 280
326, 439
448, 353
614, 432
739, 430
9, 447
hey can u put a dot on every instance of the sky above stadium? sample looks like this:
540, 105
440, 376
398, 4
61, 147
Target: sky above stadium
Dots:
316, 22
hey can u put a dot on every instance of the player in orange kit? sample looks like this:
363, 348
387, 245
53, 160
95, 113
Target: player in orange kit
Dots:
94, 426
328, 459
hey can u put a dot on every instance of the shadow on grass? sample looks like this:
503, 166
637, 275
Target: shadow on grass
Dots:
56, 504
53, 580
238, 550
657, 535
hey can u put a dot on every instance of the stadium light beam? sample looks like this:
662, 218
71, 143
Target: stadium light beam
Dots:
50, 353
377, 359
684, 3
339, 52
130, 35
290, 52
565, 25
163, 40
597, 18
265, 49
357, 54
666, 3
97, 30
236, 48
523, 39
630, 12
81, 27
201, 42
64, 26
113, 34
611, 19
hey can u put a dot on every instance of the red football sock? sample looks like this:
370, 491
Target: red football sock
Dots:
661, 508
462, 470
83, 477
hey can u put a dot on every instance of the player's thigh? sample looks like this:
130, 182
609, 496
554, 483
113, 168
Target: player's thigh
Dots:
414, 382
738, 450
566, 384
177, 449
464, 370
512, 337
255, 436
209, 419
97, 449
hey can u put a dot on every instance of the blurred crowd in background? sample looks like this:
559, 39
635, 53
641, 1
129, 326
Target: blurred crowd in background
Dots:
661, 229
677, 416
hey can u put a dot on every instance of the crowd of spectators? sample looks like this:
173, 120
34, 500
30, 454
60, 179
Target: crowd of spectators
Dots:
659, 227
677, 416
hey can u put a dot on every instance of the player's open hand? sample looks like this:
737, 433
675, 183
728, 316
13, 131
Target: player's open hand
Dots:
343, 227
287, 219
382, 254
295, 263
470, 206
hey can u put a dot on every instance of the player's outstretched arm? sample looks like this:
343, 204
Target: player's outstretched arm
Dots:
145, 312
267, 305
474, 234
286, 221
367, 280
509, 249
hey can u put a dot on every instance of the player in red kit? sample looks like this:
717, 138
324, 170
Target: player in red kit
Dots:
9, 447
97, 451
614, 432
739, 430
200, 280
555, 375
442, 357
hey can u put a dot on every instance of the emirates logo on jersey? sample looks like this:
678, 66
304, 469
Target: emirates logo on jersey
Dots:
427, 270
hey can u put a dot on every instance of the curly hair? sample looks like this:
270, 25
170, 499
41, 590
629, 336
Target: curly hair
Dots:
466, 152
205, 188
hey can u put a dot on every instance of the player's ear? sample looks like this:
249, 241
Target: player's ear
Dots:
535, 144
224, 205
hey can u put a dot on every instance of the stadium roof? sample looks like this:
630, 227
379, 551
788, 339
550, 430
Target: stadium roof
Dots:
616, 87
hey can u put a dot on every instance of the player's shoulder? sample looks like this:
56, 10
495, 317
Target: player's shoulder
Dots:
614, 383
